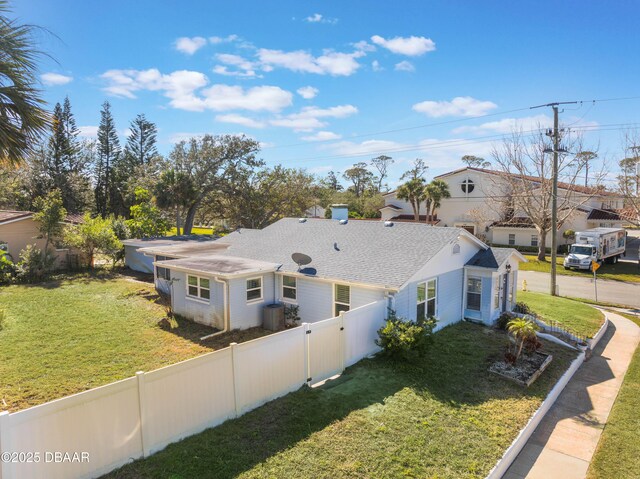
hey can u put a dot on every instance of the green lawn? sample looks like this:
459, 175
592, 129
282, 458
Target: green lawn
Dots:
618, 452
443, 417
622, 271
574, 315
75, 333
194, 231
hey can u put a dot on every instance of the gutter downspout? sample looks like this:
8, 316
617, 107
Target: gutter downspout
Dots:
227, 320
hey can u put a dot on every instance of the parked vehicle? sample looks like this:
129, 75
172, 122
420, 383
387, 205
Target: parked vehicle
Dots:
597, 244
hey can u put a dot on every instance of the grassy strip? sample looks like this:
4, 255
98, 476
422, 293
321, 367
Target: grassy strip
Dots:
75, 333
444, 416
578, 317
618, 452
622, 271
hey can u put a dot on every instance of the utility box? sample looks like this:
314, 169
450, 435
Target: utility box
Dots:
273, 317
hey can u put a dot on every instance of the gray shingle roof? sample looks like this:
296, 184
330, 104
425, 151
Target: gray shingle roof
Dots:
491, 258
360, 251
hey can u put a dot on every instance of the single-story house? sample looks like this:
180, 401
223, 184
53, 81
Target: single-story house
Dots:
18, 229
420, 270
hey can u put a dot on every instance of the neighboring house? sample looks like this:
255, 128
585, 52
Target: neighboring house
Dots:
418, 269
18, 229
471, 207
316, 211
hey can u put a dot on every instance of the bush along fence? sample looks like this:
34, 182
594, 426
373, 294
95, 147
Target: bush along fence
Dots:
93, 432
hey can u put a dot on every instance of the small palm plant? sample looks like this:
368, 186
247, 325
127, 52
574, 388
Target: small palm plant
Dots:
522, 330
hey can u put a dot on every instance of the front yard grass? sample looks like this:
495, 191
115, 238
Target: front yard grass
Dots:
621, 271
443, 416
81, 331
574, 315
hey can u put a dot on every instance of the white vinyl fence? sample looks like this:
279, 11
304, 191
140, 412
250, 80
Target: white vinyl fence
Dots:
93, 432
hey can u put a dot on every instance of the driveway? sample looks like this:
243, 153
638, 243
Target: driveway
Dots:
633, 244
617, 292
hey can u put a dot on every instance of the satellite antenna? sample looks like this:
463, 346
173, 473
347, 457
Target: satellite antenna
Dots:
300, 259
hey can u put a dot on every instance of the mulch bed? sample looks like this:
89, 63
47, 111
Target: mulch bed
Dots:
525, 371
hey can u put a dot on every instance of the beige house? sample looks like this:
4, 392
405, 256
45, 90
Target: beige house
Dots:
473, 208
19, 229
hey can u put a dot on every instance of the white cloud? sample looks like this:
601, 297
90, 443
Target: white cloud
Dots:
261, 98
185, 90
190, 45
54, 79
508, 125
318, 18
307, 92
319, 170
184, 136
410, 46
405, 66
322, 136
375, 66
364, 46
309, 118
366, 147
227, 39
88, 131
240, 120
459, 106
330, 63
245, 68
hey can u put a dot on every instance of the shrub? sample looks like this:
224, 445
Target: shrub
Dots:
522, 308
33, 265
405, 340
503, 321
522, 330
7, 268
291, 314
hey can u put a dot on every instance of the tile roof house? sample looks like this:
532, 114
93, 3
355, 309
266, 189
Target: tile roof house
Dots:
471, 207
418, 269
18, 229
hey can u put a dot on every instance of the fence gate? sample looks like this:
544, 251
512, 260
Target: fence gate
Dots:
325, 346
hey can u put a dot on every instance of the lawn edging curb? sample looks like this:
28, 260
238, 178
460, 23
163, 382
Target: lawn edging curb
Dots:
593, 342
519, 442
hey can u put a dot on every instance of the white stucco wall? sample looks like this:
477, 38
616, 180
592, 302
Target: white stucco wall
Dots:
247, 314
209, 312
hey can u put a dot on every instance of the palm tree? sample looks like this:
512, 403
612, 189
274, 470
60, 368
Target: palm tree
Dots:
521, 329
22, 116
413, 191
435, 192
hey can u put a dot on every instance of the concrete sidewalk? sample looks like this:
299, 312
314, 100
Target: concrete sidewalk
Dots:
563, 444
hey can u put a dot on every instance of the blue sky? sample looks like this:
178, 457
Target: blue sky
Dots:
325, 84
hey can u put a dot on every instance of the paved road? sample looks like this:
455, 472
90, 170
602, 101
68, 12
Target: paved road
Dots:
563, 444
608, 291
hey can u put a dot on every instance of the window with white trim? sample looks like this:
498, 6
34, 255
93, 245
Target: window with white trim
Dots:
512, 239
198, 287
474, 293
254, 289
534, 240
496, 293
455, 249
426, 299
289, 288
341, 298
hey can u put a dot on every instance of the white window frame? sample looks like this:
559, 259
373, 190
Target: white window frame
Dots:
509, 239
496, 293
534, 240
260, 288
163, 268
455, 249
294, 288
475, 278
340, 303
427, 299
199, 287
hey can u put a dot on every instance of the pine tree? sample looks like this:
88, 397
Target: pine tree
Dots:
71, 132
108, 156
141, 143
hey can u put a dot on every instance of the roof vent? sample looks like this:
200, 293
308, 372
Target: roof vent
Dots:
388, 223
343, 222
302, 220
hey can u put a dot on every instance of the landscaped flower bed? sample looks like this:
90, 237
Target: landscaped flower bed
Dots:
525, 371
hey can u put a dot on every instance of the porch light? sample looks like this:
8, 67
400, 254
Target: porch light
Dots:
508, 268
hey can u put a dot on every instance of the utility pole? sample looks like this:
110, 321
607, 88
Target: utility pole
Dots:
554, 192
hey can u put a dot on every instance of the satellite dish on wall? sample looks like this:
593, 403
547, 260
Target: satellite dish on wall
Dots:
301, 259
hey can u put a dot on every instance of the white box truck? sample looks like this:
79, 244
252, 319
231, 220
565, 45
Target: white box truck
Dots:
597, 244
